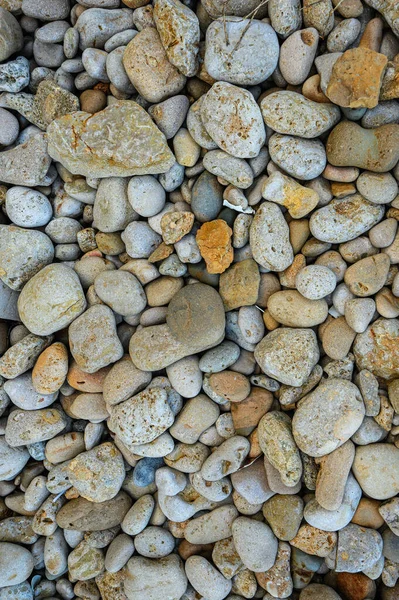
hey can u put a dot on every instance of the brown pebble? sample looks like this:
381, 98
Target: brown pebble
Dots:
355, 586
367, 514
86, 382
232, 386
93, 101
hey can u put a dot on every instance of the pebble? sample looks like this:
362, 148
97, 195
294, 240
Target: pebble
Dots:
26, 164
205, 579
152, 417
297, 53
378, 188
358, 548
344, 219
207, 197
370, 348
350, 145
148, 68
277, 355
34, 304
11, 36
291, 113
270, 245
241, 51
133, 154
31, 426
28, 208
97, 25
234, 170
290, 308
155, 577
285, 456
374, 468
242, 135
300, 158
287, 192
14, 75
179, 30
324, 420
16, 564
255, 543
315, 282
22, 393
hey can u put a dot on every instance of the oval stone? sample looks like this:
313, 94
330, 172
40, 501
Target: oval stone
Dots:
327, 417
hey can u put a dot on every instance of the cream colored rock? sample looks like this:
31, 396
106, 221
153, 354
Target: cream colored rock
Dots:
50, 370
269, 238
149, 69
116, 155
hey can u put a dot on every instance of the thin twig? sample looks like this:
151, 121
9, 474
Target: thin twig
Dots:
248, 25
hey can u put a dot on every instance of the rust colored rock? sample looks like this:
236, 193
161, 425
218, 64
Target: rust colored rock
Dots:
247, 414
390, 83
355, 586
239, 286
86, 382
356, 78
214, 242
314, 541
232, 386
176, 225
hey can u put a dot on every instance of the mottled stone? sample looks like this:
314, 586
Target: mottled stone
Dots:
241, 51
11, 36
83, 515
93, 340
179, 30
214, 242
291, 113
145, 151
233, 120
327, 417
288, 355
377, 150
26, 164
23, 253
152, 416
356, 78
269, 238
149, 69
239, 285
377, 348
344, 219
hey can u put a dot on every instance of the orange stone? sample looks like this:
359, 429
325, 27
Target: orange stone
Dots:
356, 78
87, 382
214, 242
367, 514
232, 386
390, 83
355, 586
51, 369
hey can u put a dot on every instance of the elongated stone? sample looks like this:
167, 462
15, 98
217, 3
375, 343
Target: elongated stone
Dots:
97, 145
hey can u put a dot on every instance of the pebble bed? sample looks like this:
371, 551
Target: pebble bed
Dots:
199, 299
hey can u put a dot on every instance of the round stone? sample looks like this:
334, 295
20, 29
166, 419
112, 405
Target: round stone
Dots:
315, 282
233, 120
377, 349
146, 195
241, 51
97, 474
51, 300
120, 290
376, 467
288, 355
301, 158
196, 316
27, 207
327, 417
16, 564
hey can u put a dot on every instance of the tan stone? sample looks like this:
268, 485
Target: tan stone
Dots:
214, 242
372, 35
176, 225
314, 541
163, 251
97, 145
86, 382
149, 69
239, 285
93, 101
356, 78
232, 386
51, 369
390, 83
247, 414
332, 475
